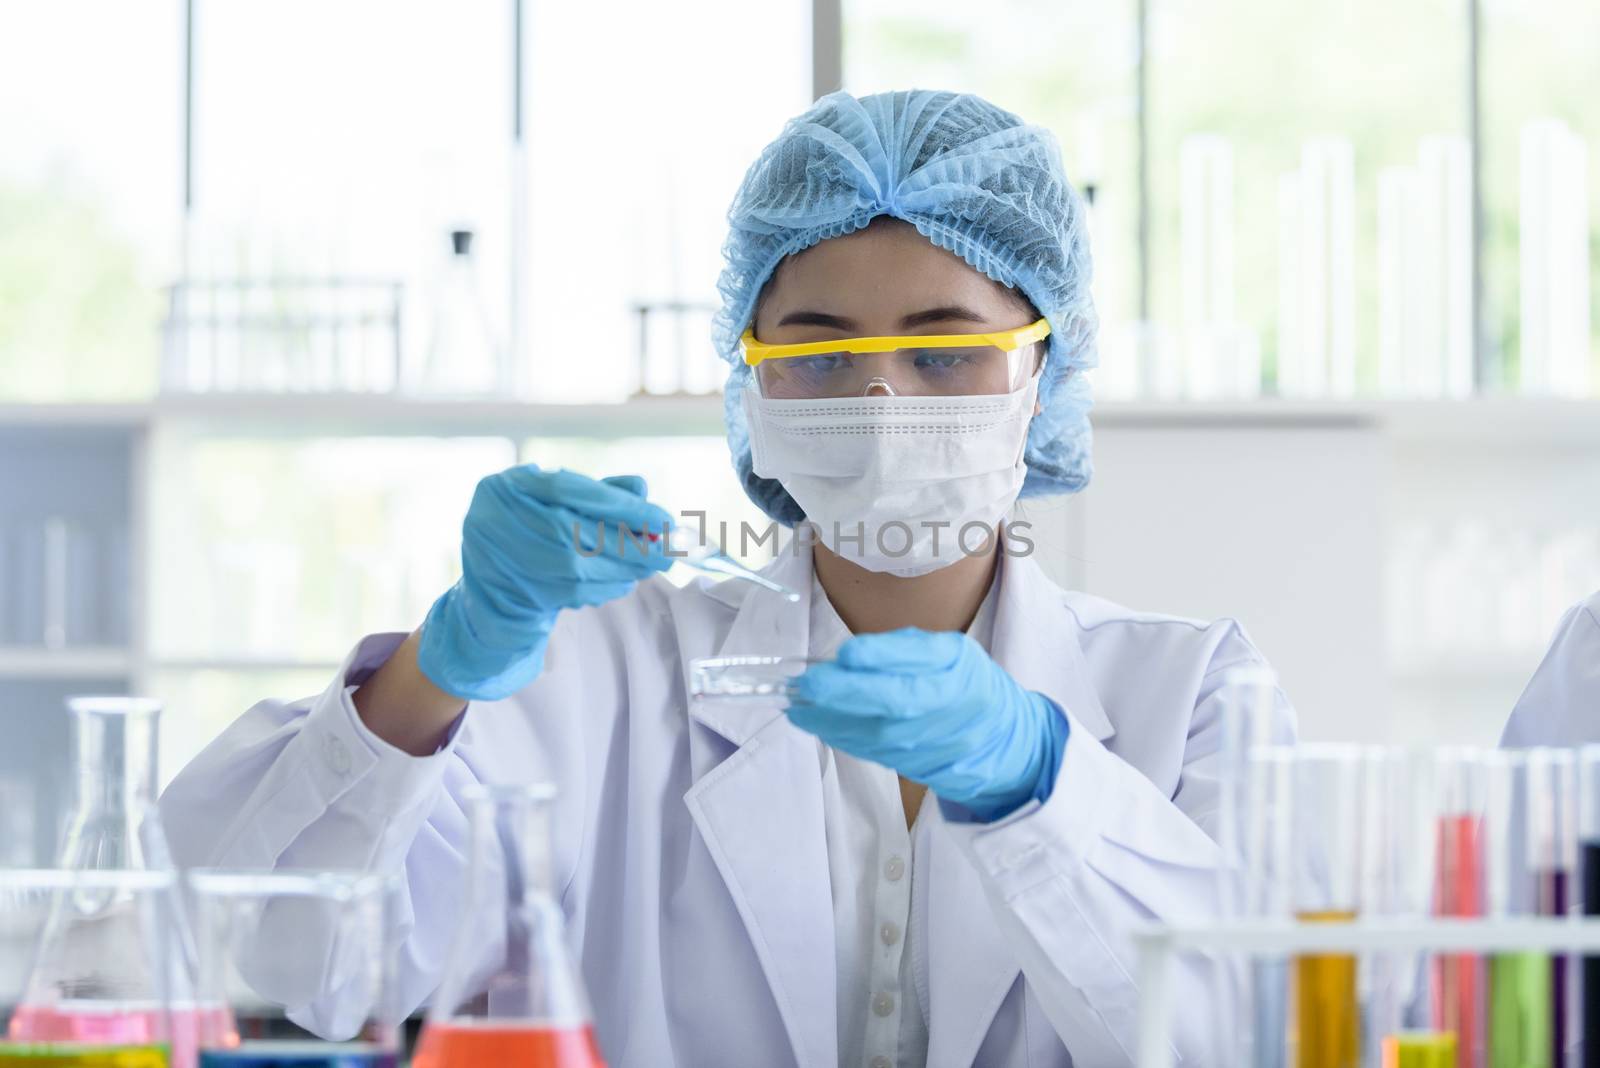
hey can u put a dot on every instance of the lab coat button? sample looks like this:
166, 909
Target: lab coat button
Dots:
881, 1062
882, 1004
338, 757
893, 869
889, 932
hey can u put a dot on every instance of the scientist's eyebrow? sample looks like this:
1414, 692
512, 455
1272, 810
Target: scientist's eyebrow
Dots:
943, 314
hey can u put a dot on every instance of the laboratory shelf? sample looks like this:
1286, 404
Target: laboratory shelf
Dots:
359, 414
1465, 668
1483, 420
241, 663
130, 415
88, 662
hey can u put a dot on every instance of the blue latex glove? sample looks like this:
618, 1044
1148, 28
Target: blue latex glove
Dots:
520, 565
938, 710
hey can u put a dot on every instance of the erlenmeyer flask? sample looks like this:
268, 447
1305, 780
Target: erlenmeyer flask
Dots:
305, 961
89, 981
517, 1001
464, 356
96, 952
115, 822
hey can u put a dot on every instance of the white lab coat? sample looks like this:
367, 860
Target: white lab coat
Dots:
689, 843
1561, 705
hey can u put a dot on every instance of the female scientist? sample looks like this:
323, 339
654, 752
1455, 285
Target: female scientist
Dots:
1561, 705
760, 887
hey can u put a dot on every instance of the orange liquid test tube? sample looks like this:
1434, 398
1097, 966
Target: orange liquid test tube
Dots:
1327, 1016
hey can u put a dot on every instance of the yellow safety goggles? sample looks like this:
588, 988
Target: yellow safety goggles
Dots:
916, 365
755, 352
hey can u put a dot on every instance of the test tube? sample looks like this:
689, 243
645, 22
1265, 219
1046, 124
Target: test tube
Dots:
1553, 841
1264, 836
1248, 701
1329, 812
1459, 795
1398, 843
1527, 834
1589, 848
1425, 1049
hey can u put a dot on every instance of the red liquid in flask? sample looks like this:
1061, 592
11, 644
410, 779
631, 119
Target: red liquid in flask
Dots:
497, 1043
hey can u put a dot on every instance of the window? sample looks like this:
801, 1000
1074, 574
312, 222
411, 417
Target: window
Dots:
90, 195
1541, 193
1271, 128
1070, 67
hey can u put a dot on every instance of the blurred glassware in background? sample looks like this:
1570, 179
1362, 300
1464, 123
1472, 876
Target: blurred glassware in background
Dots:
1480, 589
63, 582
1316, 272
244, 579
86, 969
19, 811
282, 334
674, 352
465, 355
1425, 343
305, 964
526, 1005
1222, 359
1554, 257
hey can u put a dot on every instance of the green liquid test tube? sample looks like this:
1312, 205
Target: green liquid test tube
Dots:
1520, 1011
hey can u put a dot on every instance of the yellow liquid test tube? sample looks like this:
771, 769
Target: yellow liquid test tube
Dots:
1420, 1049
1327, 1017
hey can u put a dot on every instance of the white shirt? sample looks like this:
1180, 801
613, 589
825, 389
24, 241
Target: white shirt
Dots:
878, 926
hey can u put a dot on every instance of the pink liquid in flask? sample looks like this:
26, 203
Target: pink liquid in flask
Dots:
96, 1023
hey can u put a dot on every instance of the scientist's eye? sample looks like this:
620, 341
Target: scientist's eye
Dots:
943, 359
821, 365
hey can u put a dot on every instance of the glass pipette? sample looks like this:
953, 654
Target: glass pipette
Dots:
712, 560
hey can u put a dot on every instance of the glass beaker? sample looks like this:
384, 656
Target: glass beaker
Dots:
86, 979
305, 964
464, 356
746, 678
510, 993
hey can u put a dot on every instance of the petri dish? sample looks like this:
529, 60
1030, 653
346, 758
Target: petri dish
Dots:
745, 678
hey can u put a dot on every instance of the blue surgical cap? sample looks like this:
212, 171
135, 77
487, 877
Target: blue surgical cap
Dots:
971, 178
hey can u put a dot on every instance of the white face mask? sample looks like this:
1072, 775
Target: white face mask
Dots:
896, 484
